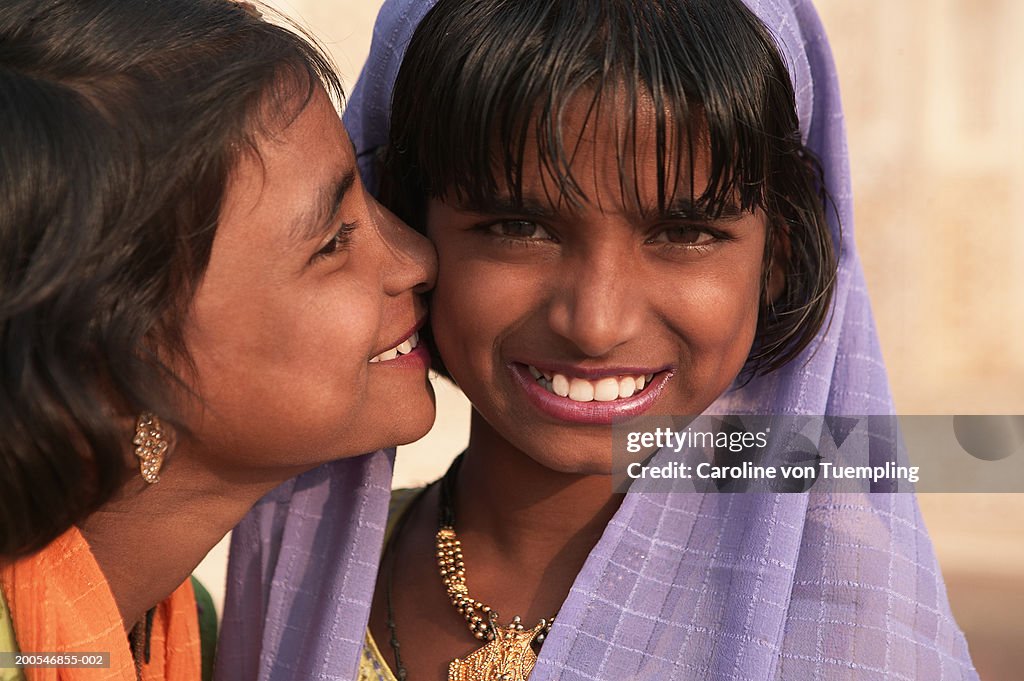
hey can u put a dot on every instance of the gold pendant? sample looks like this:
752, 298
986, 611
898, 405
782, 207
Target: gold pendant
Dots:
508, 657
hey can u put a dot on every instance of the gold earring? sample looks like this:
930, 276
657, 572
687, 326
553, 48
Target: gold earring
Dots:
150, 446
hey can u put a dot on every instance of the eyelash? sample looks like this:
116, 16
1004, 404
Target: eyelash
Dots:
339, 242
716, 236
491, 229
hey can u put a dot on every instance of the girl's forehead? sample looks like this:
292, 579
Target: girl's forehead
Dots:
614, 150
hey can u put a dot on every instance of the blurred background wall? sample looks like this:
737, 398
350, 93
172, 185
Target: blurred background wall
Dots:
935, 108
934, 97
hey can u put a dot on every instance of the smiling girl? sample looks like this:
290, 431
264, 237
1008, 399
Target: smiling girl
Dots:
199, 300
639, 208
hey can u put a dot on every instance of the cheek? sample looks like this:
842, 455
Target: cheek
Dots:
279, 330
717, 317
461, 314
277, 367
474, 305
315, 352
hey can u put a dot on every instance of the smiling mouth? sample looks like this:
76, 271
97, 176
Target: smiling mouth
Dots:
403, 348
576, 389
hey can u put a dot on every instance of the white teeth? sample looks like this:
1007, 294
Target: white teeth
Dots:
403, 348
581, 390
627, 386
605, 389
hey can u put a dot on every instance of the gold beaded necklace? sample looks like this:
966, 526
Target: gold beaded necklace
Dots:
509, 652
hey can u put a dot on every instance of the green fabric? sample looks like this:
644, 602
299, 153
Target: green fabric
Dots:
8, 643
207, 627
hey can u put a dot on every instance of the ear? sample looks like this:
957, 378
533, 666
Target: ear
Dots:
778, 263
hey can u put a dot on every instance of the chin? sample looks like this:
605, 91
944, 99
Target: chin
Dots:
583, 467
572, 458
413, 419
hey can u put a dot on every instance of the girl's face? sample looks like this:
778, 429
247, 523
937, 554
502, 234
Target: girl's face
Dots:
309, 281
555, 319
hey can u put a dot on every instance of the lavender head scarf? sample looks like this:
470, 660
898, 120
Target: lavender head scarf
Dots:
743, 587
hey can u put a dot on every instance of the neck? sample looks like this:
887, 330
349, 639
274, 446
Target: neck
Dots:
538, 523
150, 538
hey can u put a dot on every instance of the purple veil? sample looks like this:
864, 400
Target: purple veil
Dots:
712, 586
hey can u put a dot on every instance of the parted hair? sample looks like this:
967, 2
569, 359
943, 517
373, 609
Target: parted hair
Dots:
482, 79
120, 122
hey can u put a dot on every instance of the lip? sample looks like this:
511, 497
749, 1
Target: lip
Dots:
593, 374
590, 413
419, 358
419, 325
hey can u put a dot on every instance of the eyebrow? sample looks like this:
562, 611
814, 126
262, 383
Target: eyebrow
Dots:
679, 207
313, 223
684, 206
497, 205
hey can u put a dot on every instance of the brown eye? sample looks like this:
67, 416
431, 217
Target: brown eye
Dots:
518, 229
688, 236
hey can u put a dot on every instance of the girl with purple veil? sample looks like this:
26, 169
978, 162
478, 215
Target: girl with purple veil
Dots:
653, 195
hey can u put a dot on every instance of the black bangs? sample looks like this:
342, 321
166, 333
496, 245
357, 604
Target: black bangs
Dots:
484, 81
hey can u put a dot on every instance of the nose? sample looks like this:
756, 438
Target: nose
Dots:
413, 261
598, 305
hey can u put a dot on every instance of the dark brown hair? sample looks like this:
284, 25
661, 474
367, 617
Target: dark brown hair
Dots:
120, 121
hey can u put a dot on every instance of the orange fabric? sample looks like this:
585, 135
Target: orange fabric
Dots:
60, 602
